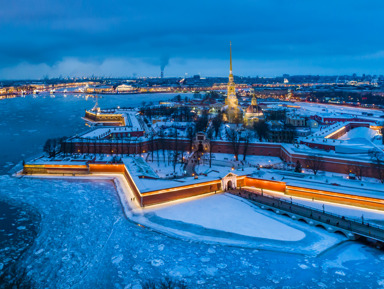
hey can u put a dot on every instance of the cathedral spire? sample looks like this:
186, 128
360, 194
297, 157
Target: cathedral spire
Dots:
230, 57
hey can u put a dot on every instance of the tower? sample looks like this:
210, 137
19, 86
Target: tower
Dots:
231, 100
253, 100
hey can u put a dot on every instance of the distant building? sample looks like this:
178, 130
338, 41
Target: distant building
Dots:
125, 88
253, 113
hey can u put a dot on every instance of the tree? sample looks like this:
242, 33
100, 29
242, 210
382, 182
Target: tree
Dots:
238, 118
47, 146
356, 169
261, 128
161, 141
277, 114
289, 133
298, 168
151, 145
216, 123
191, 135
234, 137
202, 122
377, 158
211, 145
175, 150
51, 146
314, 163
246, 139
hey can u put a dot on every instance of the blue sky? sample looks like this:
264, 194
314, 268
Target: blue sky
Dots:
124, 37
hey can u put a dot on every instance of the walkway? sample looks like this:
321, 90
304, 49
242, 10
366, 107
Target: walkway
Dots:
340, 223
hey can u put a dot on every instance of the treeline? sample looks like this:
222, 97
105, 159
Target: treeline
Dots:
53, 146
181, 113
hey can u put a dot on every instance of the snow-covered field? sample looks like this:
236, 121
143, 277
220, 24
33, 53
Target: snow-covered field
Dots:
162, 164
230, 214
250, 159
359, 132
86, 241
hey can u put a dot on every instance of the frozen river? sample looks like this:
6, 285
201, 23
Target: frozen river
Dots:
85, 241
83, 238
27, 122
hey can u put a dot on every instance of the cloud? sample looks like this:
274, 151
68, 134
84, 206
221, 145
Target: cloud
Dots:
299, 36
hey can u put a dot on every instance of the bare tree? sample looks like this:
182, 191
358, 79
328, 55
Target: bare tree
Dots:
151, 147
314, 163
191, 134
356, 169
262, 129
211, 145
290, 133
202, 121
161, 141
175, 150
238, 119
246, 140
216, 124
377, 158
234, 137
157, 152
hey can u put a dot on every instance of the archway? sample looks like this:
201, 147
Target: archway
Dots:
321, 226
229, 185
341, 233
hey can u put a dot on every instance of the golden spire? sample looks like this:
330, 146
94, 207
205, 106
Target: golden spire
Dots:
230, 57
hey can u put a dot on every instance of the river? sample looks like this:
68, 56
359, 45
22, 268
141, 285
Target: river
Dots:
74, 234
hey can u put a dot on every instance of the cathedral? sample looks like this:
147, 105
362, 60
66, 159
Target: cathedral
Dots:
232, 112
253, 113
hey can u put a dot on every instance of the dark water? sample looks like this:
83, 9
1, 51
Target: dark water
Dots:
18, 228
27, 122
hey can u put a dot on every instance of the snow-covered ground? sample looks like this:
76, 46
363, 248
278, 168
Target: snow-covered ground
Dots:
162, 163
359, 132
250, 159
341, 210
86, 241
229, 214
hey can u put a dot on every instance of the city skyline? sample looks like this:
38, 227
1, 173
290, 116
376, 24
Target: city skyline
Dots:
122, 40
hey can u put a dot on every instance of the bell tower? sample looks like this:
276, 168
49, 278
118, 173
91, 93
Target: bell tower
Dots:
231, 100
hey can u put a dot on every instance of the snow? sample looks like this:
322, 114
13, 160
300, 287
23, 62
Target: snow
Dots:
164, 169
343, 210
223, 212
250, 159
359, 132
352, 253
86, 241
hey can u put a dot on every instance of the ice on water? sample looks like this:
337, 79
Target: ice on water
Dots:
86, 241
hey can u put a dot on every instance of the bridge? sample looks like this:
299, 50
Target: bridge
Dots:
351, 228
